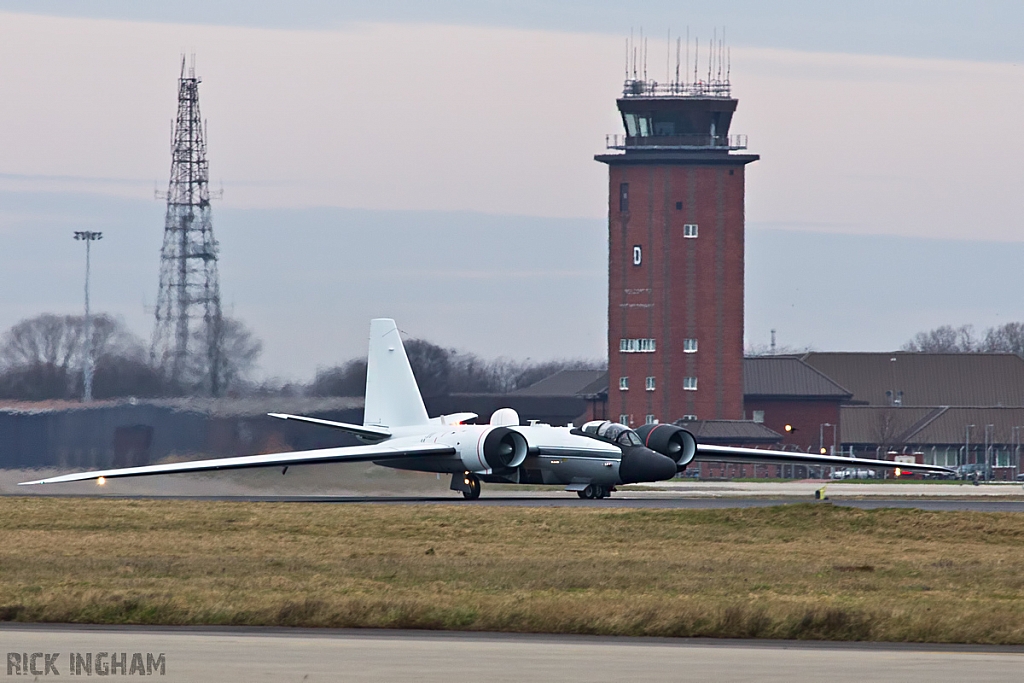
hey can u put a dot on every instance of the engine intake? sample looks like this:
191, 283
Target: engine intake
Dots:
497, 448
674, 442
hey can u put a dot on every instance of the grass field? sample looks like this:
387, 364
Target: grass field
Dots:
806, 571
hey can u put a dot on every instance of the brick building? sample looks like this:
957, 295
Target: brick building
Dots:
675, 266
782, 390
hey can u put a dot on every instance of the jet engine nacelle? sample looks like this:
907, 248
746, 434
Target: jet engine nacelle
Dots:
488, 448
675, 442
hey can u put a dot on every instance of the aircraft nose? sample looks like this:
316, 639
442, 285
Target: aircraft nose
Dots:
642, 464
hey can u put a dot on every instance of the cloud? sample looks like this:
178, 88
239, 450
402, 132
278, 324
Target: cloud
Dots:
430, 117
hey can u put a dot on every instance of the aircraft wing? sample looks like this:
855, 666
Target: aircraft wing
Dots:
346, 454
769, 457
365, 431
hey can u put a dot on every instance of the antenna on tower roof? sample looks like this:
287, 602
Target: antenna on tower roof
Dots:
645, 60
696, 57
711, 58
668, 56
714, 55
678, 48
642, 65
631, 57
627, 59
721, 55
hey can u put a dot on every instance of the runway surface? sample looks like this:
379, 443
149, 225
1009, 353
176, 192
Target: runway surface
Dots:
247, 655
644, 499
657, 502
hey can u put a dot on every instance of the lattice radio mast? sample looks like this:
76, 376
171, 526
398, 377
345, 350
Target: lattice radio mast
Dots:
188, 334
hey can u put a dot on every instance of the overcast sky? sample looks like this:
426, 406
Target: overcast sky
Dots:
390, 159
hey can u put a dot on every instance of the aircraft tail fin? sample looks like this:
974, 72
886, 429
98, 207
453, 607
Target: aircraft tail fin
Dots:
392, 396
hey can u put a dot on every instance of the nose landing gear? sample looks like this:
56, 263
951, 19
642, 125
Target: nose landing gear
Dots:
468, 483
473, 483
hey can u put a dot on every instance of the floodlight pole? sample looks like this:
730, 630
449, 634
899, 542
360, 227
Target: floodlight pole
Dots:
87, 236
1016, 452
967, 447
988, 450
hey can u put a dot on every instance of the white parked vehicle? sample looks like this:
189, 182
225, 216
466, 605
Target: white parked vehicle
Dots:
854, 473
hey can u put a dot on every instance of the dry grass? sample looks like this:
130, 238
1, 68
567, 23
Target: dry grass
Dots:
807, 571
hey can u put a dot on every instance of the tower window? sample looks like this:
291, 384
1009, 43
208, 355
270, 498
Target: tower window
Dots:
624, 420
624, 197
636, 346
758, 416
651, 420
623, 384
690, 383
689, 418
689, 346
690, 230
679, 206
731, 172
637, 255
650, 384
631, 125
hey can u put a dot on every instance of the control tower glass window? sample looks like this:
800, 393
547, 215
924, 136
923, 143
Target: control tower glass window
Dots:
664, 127
631, 125
624, 197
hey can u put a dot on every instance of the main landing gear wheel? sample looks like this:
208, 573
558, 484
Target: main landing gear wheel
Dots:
593, 491
474, 487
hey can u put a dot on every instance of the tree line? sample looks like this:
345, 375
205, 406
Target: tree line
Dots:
1007, 338
42, 358
443, 371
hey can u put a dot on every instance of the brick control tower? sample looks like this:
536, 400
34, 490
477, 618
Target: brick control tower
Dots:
675, 264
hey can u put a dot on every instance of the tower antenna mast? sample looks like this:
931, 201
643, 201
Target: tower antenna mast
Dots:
188, 335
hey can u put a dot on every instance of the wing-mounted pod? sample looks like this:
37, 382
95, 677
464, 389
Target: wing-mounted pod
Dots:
674, 442
488, 448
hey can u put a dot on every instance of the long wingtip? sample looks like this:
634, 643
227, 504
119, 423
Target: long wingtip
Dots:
31, 483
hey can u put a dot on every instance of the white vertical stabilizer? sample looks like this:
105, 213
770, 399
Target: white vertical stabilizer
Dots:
392, 395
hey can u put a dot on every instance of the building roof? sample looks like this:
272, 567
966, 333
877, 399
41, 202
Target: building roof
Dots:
567, 383
732, 432
926, 379
938, 426
788, 378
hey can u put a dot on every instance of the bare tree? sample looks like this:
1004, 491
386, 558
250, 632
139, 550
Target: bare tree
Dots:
761, 350
42, 357
441, 372
945, 339
344, 380
235, 353
432, 366
887, 429
1008, 338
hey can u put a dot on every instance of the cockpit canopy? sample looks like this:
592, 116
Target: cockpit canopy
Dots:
612, 431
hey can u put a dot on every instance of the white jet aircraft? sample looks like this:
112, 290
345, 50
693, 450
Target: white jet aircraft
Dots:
398, 433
